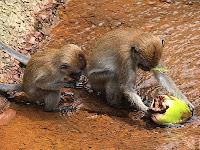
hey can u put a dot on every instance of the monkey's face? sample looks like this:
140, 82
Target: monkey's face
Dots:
73, 63
68, 70
148, 52
144, 62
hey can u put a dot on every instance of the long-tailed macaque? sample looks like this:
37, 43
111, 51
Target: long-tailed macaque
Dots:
114, 61
45, 72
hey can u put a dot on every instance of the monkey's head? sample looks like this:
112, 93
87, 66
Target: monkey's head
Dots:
72, 61
147, 51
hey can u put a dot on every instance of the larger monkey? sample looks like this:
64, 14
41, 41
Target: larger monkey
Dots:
45, 72
114, 61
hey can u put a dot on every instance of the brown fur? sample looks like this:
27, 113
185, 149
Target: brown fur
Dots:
44, 75
45, 72
45, 66
113, 64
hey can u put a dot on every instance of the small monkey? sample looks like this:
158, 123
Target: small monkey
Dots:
45, 73
114, 61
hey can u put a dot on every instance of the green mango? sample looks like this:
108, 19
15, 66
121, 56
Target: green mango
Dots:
177, 112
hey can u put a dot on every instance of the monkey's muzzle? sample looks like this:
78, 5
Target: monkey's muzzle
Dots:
143, 67
76, 76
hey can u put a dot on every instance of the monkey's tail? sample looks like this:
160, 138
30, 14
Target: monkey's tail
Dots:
19, 56
4, 87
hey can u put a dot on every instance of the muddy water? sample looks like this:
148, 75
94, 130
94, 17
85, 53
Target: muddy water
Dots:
95, 125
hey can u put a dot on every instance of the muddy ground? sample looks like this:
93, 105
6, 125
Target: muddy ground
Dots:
94, 125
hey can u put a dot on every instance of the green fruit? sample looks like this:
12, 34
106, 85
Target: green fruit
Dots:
177, 112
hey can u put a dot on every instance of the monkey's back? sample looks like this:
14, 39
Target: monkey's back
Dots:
115, 48
108, 49
44, 68
39, 69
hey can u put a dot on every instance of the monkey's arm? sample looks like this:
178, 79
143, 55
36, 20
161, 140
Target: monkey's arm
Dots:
56, 85
129, 92
135, 99
19, 56
167, 83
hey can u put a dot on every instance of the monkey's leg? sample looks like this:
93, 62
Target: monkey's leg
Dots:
113, 94
97, 80
128, 82
52, 99
106, 82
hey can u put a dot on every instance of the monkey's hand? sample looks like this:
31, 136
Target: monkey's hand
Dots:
75, 84
79, 85
71, 84
82, 82
153, 111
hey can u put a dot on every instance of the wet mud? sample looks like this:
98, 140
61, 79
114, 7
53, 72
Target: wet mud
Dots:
94, 125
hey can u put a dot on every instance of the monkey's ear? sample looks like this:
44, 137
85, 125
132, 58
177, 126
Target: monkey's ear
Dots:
163, 43
135, 50
64, 66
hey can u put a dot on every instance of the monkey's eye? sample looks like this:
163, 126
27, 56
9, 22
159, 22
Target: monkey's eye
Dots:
163, 43
81, 57
135, 50
64, 66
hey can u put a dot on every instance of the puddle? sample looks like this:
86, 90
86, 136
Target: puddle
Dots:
95, 125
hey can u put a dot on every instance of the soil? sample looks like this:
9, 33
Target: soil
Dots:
94, 125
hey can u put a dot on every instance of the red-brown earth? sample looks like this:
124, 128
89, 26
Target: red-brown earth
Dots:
94, 125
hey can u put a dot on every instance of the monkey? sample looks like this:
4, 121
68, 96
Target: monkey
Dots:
45, 73
114, 62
